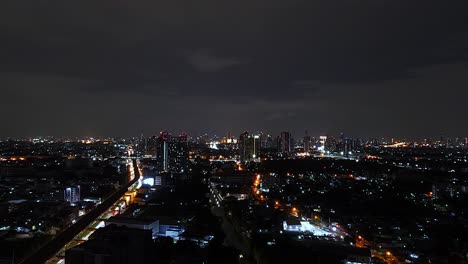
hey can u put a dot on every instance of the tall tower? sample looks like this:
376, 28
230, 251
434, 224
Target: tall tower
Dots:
141, 145
178, 154
323, 141
243, 145
162, 151
249, 146
172, 152
307, 143
285, 142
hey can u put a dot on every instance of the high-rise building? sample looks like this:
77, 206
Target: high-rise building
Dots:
307, 142
285, 142
178, 154
72, 194
162, 151
172, 153
323, 141
150, 146
249, 146
331, 144
347, 146
269, 143
356, 144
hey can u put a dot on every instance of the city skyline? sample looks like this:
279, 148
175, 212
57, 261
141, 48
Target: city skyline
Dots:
343, 199
442, 137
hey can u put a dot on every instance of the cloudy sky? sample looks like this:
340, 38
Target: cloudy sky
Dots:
114, 67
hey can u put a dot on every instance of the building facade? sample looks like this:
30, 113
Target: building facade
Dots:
172, 153
249, 146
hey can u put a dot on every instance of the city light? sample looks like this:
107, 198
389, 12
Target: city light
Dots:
313, 196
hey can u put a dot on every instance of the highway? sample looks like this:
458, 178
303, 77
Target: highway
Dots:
54, 251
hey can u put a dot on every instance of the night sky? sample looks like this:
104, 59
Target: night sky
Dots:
361, 67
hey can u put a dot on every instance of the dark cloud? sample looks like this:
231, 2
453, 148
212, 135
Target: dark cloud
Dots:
203, 61
215, 65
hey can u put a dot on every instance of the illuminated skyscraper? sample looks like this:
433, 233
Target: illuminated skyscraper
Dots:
162, 151
178, 154
172, 153
72, 194
323, 141
249, 146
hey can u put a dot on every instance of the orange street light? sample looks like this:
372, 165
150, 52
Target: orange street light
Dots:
294, 210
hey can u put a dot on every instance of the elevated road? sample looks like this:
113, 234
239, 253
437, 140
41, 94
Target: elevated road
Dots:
57, 245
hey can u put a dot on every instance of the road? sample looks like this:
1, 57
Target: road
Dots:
54, 251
